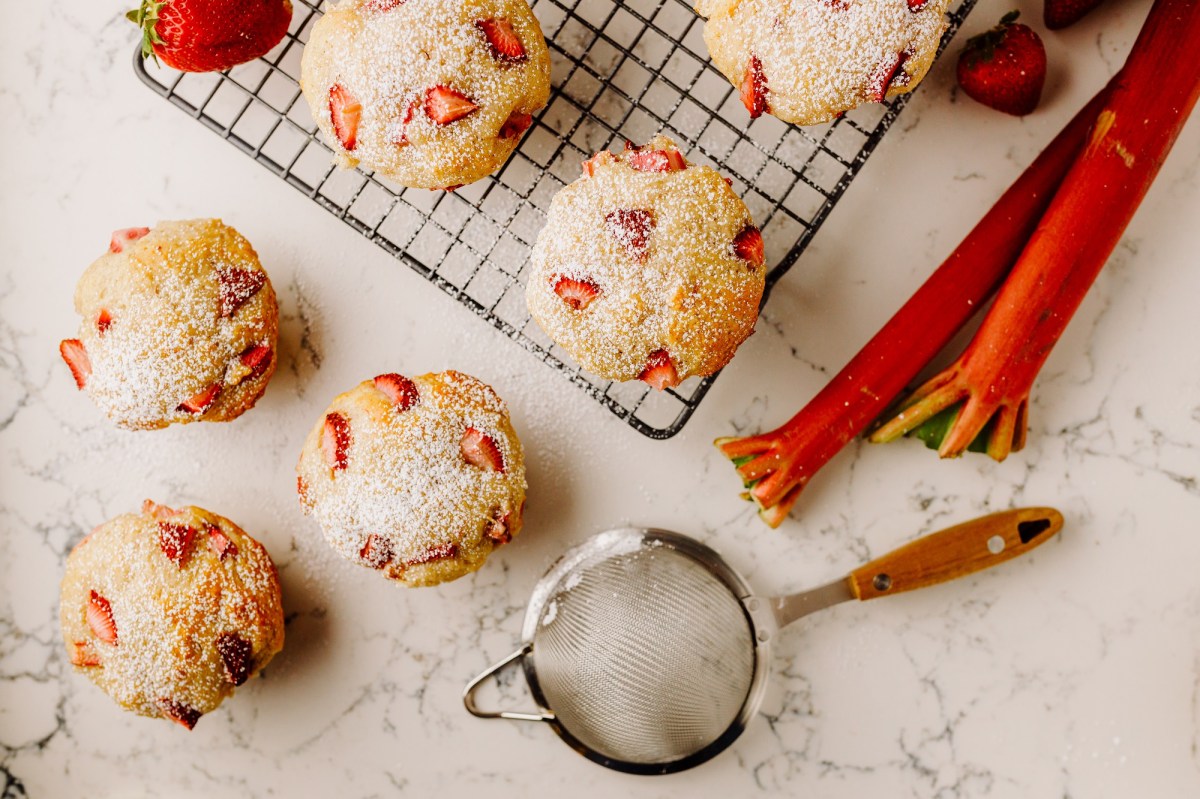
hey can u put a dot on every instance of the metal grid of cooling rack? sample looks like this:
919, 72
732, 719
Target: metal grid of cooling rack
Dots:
620, 71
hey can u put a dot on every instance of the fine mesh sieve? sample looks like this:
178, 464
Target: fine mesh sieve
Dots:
647, 653
658, 612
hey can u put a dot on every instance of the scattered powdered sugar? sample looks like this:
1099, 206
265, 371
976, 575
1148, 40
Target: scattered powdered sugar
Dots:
168, 340
389, 60
658, 246
169, 614
407, 483
823, 57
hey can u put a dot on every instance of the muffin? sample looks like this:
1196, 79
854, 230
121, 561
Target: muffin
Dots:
810, 61
420, 479
169, 610
179, 325
432, 94
648, 268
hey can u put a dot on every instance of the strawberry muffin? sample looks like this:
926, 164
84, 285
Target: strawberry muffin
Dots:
169, 610
648, 268
420, 479
810, 61
432, 94
179, 325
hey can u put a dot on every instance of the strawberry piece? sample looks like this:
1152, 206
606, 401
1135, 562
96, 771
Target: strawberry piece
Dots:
77, 359
302, 492
103, 321
399, 389
754, 88
178, 712
748, 245
380, 6
439, 552
377, 551
235, 652
656, 160
659, 372
576, 293
160, 512
516, 124
1058, 14
345, 112
918, 5
86, 538
885, 75
100, 618
335, 441
498, 528
410, 113
174, 539
257, 358
220, 544
1004, 68
237, 286
479, 449
210, 35
200, 401
120, 238
445, 105
82, 654
589, 166
631, 227
502, 39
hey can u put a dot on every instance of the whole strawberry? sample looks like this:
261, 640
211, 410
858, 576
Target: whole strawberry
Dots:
1004, 68
210, 35
1061, 13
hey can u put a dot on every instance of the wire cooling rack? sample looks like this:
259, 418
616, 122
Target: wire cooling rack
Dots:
620, 71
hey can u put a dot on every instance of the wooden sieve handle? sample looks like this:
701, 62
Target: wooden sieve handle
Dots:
956, 551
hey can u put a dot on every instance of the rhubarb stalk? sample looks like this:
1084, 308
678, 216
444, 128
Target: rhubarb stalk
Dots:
775, 466
986, 391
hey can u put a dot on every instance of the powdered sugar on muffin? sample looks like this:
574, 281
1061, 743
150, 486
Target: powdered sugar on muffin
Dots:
169, 610
418, 478
179, 325
648, 267
432, 94
808, 61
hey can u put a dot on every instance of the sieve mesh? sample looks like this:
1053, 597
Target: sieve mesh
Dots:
645, 656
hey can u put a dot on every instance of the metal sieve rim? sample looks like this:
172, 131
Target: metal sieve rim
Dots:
625, 539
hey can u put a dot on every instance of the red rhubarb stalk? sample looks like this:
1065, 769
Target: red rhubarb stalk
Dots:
987, 389
776, 466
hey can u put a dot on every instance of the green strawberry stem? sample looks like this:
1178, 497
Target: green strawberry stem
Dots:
982, 47
776, 466
987, 388
145, 16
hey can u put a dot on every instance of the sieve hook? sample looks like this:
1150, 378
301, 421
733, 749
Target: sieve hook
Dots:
492, 671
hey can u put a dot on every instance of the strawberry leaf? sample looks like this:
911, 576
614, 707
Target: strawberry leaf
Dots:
145, 16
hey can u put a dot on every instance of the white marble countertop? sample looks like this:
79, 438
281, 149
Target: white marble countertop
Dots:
1072, 672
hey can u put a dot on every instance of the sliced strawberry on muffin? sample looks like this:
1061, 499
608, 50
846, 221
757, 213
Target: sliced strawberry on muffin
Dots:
178, 324
648, 267
365, 74
161, 624
417, 478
